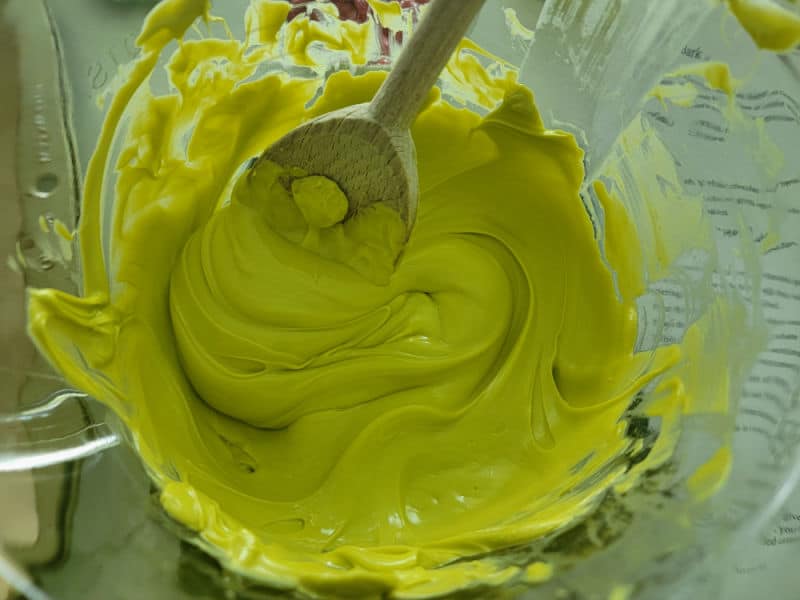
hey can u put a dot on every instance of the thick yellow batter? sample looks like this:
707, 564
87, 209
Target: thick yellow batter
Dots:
454, 396
320, 411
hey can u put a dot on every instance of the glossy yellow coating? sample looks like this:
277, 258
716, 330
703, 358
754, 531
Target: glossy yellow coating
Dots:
771, 26
456, 394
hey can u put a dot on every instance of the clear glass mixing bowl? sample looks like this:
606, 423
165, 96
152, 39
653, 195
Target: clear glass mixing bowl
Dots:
79, 518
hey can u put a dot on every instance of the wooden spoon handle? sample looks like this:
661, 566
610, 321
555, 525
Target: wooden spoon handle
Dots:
424, 56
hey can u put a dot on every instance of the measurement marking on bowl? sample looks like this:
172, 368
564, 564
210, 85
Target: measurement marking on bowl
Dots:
45, 185
41, 135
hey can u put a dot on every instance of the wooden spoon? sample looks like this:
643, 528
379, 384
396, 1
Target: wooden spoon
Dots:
367, 148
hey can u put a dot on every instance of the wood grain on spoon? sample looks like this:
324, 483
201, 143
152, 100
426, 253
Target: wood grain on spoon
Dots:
367, 148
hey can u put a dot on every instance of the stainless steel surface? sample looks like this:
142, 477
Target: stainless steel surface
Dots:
46, 162
39, 188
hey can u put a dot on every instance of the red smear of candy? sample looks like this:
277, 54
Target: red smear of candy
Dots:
358, 11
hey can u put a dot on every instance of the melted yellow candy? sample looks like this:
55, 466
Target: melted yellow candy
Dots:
771, 26
453, 397
323, 405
